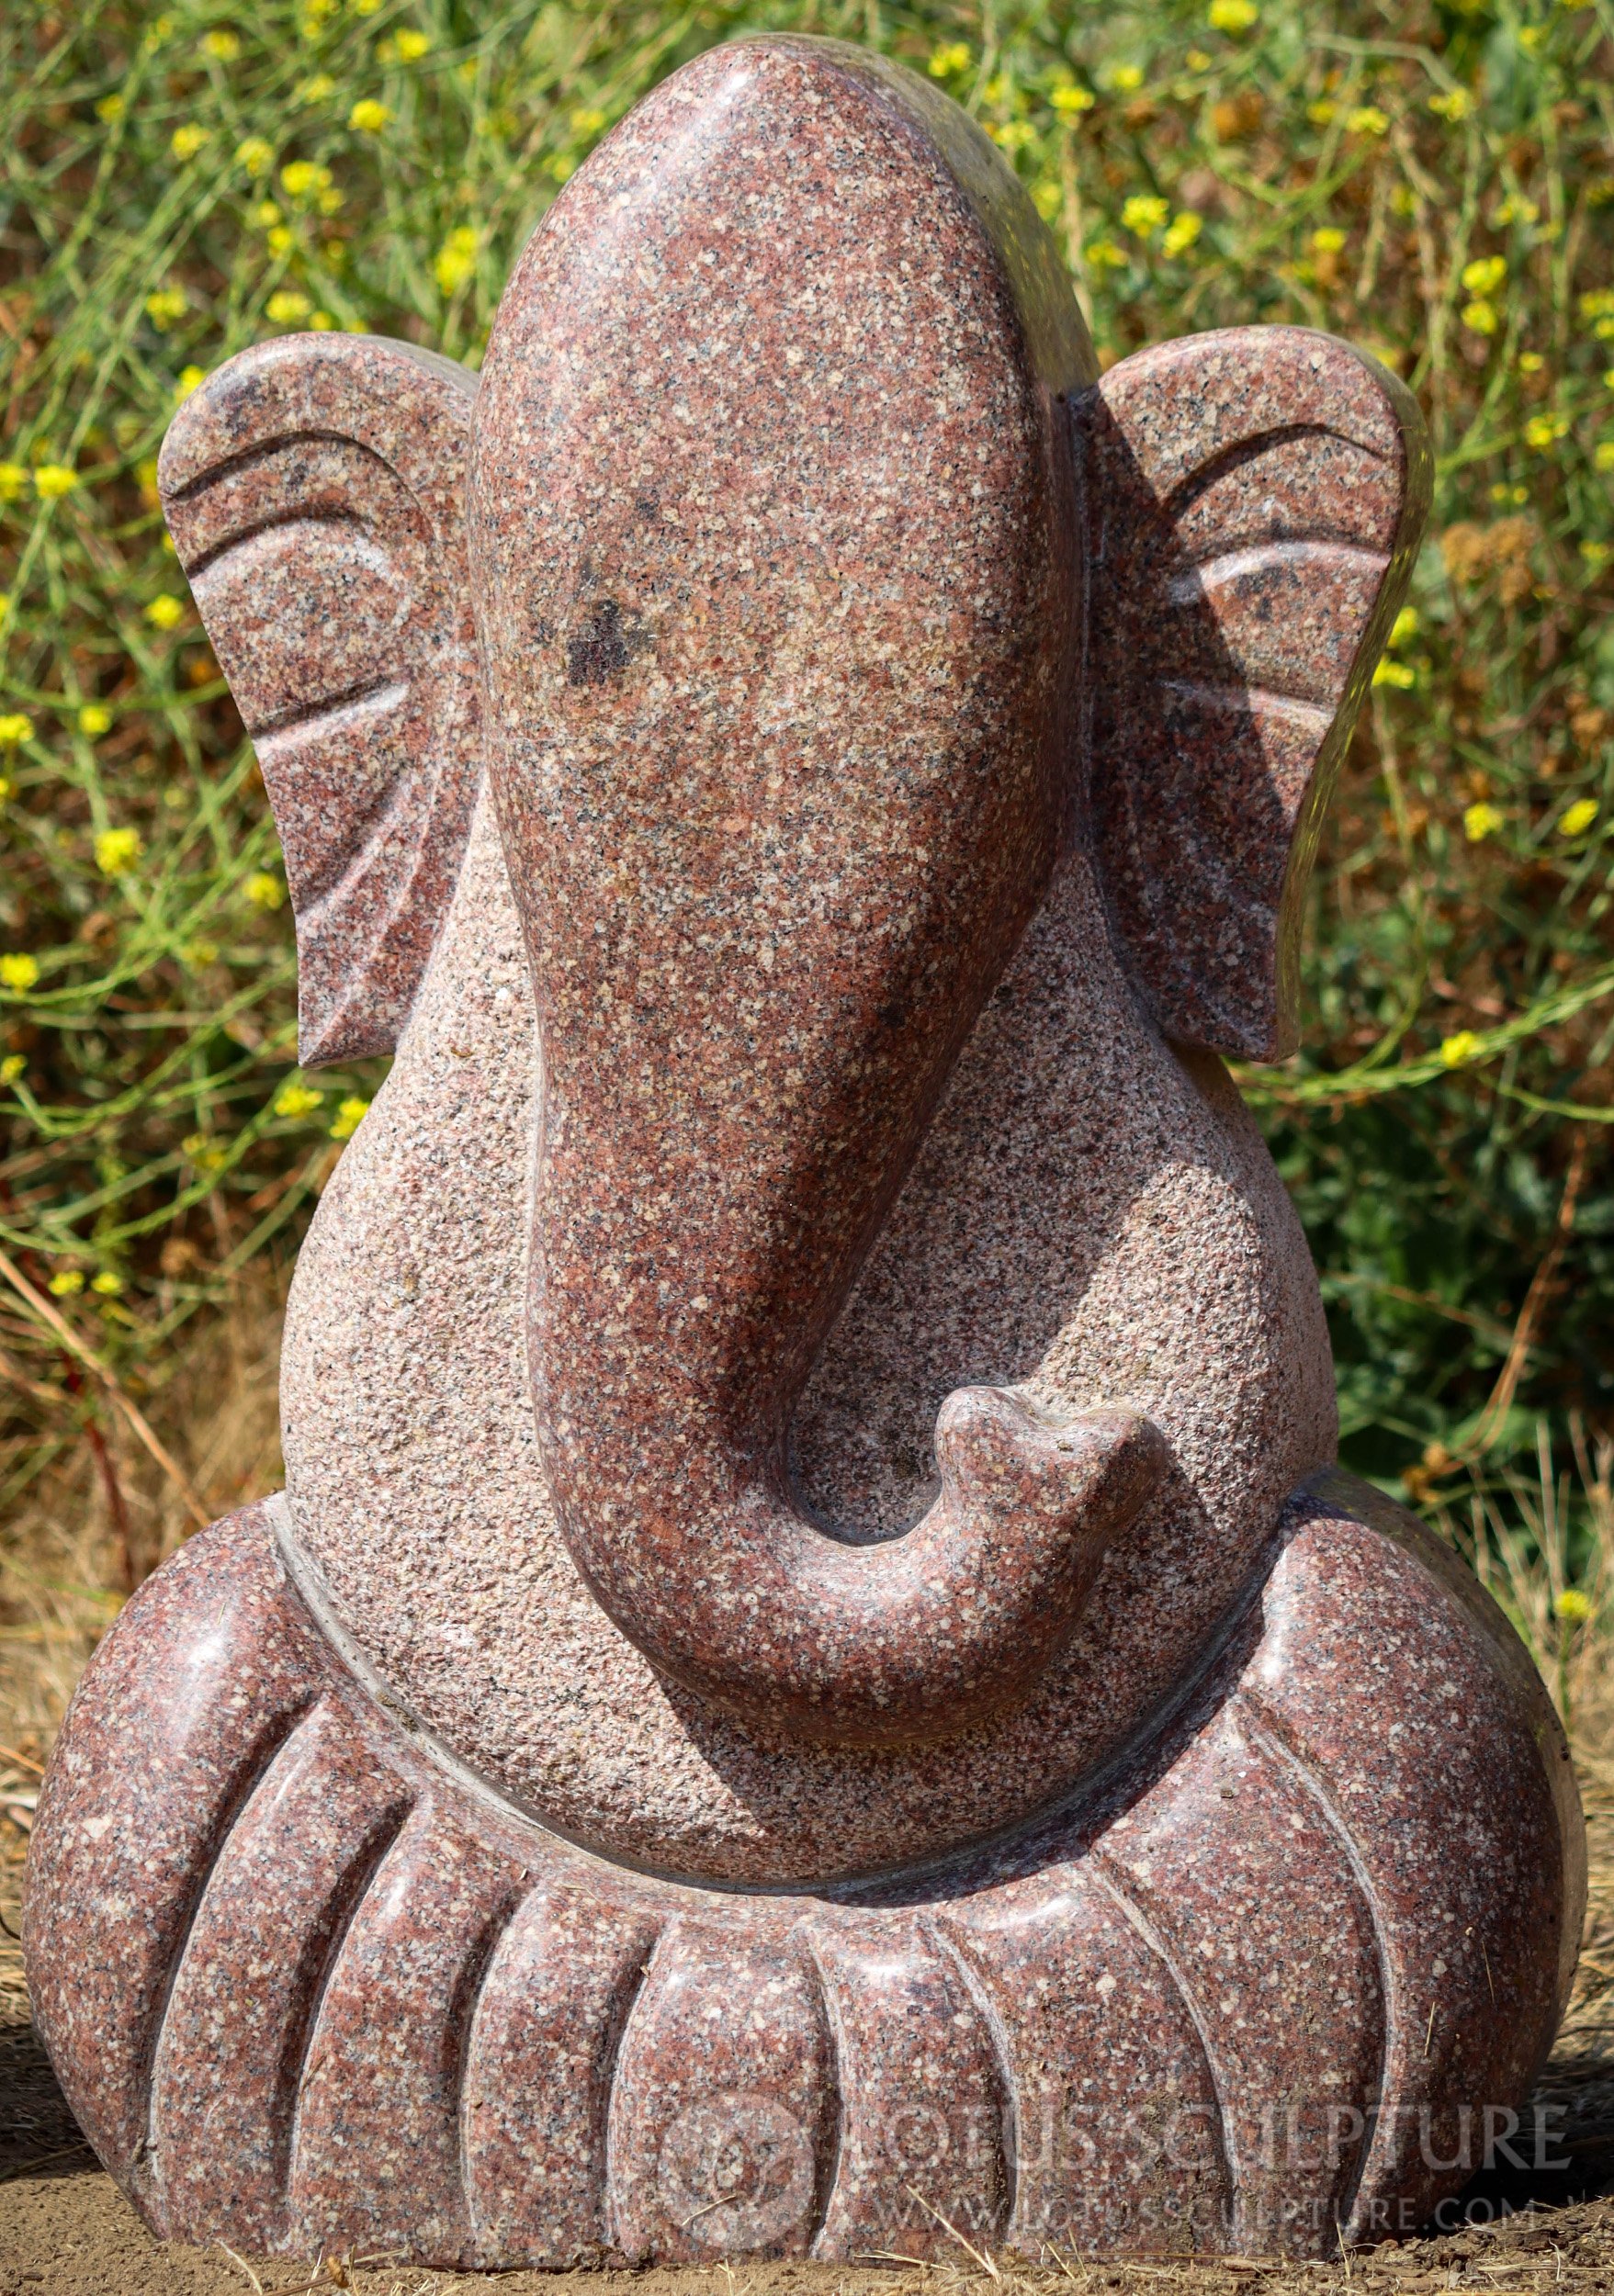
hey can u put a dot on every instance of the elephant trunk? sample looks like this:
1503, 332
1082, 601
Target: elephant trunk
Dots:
772, 524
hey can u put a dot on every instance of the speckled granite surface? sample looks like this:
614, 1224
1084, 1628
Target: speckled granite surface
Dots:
790, 1696
1259, 1986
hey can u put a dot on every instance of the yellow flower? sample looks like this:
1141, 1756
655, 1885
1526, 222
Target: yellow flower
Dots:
295, 1100
1104, 256
165, 611
1011, 135
222, 45
11, 1068
349, 1116
1455, 1050
255, 154
1545, 430
94, 718
64, 1284
997, 89
332, 201
951, 57
279, 240
14, 726
589, 121
1480, 318
13, 479
562, 166
1070, 102
1481, 821
187, 141
322, 322
1573, 1605
1183, 232
1328, 240
318, 90
368, 115
1367, 119
191, 379
1126, 78
1406, 625
1197, 61
165, 306
7, 784
204, 1154
110, 107
264, 890
1484, 274
408, 45
18, 972
1321, 113
286, 305
1144, 213
1530, 361
1603, 459
117, 851
301, 179
107, 1284
53, 480
1455, 104
1047, 199
1399, 674
456, 260
1232, 16
264, 213
1576, 819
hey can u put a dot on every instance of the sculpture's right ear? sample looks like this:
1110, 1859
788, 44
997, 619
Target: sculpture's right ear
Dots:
313, 489
1255, 498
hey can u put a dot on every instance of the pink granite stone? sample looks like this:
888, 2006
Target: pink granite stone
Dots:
813, 1690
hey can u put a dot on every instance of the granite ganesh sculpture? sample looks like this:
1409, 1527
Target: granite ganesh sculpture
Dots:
814, 1688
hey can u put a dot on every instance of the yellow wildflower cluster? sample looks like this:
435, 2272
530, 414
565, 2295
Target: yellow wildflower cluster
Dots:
255, 154
94, 718
1544, 431
163, 306
456, 260
1144, 213
1453, 104
286, 305
407, 46
1232, 16
950, 59
1576, 819
1367, 119
305, 181
369, 117
264, 890
53, 480
350, 1115
296, 1099
1464, 1046
1072, 102
1481, 820
14, 726
222, 45
165, 611
18, 972
187, 141
1104, 256
1183, 232
117, 851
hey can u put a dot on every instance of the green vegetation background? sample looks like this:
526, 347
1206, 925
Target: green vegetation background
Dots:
1434, 182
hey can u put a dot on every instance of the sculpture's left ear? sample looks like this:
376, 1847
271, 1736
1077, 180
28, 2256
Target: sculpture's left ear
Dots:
315, 488
1255, 500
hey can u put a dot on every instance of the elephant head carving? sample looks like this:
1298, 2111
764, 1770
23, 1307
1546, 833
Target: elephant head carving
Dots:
793, 679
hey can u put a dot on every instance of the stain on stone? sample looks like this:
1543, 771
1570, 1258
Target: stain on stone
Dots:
605, 644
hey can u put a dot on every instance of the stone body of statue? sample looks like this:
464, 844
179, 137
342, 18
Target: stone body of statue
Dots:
814, 1680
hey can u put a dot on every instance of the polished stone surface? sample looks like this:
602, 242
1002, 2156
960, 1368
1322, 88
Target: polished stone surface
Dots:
1252, 1988
809, 1682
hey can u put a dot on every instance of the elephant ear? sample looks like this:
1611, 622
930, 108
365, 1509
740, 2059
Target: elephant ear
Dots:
313, 489
1255, 500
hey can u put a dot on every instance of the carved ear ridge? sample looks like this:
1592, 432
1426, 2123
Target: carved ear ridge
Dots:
1255, 498
314, 490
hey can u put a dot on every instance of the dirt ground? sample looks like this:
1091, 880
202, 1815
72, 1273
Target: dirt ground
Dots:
66, 2231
